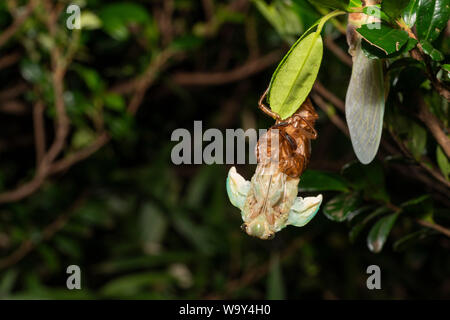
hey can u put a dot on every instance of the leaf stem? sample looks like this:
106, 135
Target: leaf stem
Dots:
327, 17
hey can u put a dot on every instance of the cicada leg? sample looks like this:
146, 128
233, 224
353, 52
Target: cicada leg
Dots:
290, 140
308, 134
265, 108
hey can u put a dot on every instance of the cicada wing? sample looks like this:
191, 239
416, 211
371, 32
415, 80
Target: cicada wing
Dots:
237, 188
303, 210
364, 106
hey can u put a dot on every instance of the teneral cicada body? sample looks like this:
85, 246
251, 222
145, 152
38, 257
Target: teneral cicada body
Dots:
269, 202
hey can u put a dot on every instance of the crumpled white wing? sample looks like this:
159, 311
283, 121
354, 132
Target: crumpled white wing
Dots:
237, 188
303, 210
364, 106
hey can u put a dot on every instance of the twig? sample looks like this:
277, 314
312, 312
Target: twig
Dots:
435, 226
48, 168
13, 91
147, 79
47, 233
39, 131
9, 59
17, 23
337, 121
418, 54
208, 7
431, 171
433, 124
338, 52
324, 92
80, 155
58, 71
14, 107
218, 78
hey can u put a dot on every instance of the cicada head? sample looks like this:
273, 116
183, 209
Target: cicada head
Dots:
259, 227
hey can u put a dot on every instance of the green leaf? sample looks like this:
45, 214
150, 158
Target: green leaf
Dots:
341, 206
376, 12
132, 284
443, 162
380, 231
120, 127
152, 225
82, 138
354, 4
446, 67
433, 17
314, 180
334, 4
275, 285
7, 282
31, 71
282, 17
410, 239
393, 8
199, 235
410, 13
373, 52
385, 38
367, 178
91, 78
357, 228
116, 17
114, 101
90, 21
295, 75
417, 140
428, 48
421, 207
186, 43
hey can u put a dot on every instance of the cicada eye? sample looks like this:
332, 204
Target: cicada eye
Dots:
244, 227
271, 236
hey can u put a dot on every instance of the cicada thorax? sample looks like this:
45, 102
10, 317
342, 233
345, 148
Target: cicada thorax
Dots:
288, 141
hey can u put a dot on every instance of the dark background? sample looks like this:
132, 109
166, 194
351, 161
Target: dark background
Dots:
140, 227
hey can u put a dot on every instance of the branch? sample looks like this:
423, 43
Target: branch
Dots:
13, 91
47, 233
435, 174
338, 52
336, 101
218, 78
80, 155
17, 23
147, 79
433, 124
39, 131
9, 59
418, 54
337, 121
48, 166
435, 226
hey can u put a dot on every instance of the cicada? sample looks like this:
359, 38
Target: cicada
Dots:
269, 202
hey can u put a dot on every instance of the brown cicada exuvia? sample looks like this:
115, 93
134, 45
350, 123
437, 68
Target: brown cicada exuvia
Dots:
269, 201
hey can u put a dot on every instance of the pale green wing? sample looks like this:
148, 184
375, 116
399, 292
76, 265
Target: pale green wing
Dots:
364, 106
237, 188
303, 210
